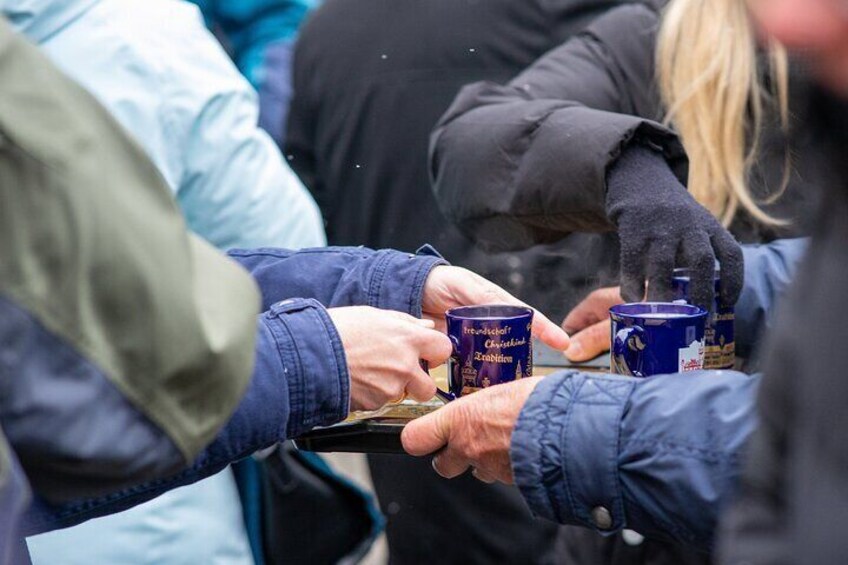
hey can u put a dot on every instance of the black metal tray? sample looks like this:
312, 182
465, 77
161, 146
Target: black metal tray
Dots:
381, 434
361, 436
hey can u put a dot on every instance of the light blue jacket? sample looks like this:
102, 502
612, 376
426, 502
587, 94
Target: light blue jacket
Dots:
155, 66
165, 78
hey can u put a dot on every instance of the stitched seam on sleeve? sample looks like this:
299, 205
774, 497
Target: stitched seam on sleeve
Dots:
339, 361
562, 441
689, 451
378, 273
416, 292
290, 346
281, 254
285, 354
615, 471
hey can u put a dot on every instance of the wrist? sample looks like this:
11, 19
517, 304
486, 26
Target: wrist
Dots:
639, 177
565, 450
399, 279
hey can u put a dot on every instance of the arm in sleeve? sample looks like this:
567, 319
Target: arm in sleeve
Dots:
236, 189
300, 381
769, 268
342, 276
526, 163
75, 433
660, 455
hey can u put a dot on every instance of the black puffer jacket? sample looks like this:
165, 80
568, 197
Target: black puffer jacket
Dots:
526, 162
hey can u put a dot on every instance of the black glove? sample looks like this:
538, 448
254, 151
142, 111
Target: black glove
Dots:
662, 227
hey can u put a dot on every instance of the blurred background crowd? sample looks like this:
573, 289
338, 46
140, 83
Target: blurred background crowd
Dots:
542, 144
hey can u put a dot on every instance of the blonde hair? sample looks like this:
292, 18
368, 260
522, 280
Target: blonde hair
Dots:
710, 85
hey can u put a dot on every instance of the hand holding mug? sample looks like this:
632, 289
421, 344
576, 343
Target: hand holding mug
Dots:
383, 350
473, 431
451, 287
589, 324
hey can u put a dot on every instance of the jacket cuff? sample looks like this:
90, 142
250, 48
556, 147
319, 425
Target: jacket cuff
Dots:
565, 449
314, 363
397, 280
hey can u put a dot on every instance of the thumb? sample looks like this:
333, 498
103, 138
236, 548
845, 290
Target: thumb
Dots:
592, 309
590, 342
428, 433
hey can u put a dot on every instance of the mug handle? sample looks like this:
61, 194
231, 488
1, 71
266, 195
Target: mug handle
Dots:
445, 396
627, 347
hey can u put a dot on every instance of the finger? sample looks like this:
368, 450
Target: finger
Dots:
449, 463
633, 271
433, 346
421, 387
548, 332
483, 476
732, 263
439, 323
543, 329
592, 309
696, 252
404, 317
481, 291
660, 269
428, 433
590, 342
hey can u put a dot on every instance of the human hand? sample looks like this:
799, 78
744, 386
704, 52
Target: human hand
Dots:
475, 431
451, 287
383, 349
589, 324
661, 226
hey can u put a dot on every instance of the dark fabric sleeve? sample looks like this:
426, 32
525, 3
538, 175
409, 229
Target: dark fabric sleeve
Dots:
659, 455
300, 380
75, 433
526, 163
341, 276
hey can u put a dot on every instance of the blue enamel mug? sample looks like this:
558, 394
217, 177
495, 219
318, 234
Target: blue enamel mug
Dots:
491, 345
719, 342
654, 338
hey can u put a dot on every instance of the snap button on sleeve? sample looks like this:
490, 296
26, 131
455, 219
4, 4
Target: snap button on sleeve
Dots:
632, 538
601, 517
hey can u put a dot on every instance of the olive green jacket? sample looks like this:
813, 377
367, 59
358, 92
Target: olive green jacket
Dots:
116, 325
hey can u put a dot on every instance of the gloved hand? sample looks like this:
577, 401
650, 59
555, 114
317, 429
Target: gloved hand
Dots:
662, 227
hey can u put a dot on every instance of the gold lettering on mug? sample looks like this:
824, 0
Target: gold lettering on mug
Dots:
492, 357
493, 344
486, 331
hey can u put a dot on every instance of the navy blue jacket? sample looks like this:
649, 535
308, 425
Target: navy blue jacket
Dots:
300, 378
661, 455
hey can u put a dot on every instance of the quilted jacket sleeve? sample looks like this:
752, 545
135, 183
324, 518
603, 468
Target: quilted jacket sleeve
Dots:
660, 455
526, 163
